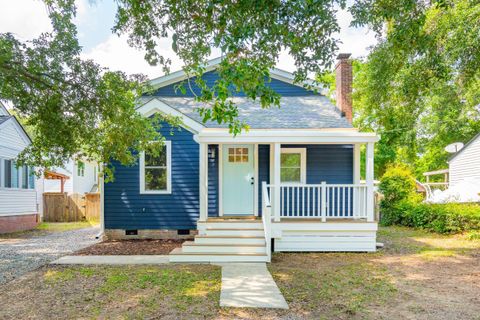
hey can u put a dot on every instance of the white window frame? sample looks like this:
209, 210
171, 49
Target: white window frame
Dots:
303, 164
168, 145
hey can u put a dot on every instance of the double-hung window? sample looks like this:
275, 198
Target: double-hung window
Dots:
80, 169
293, 165
155, 171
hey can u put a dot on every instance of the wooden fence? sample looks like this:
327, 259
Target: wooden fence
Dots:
61, 207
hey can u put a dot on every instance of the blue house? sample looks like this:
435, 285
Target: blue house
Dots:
291, 183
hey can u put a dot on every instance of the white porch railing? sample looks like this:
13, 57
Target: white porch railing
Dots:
324, 201
267, 219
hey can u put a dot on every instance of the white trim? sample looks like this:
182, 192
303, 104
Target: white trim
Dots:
255, 179
18, 127
291, 136
356, 163
220, 180
203, 182
168, 145
303, 164
157, 106
276, 180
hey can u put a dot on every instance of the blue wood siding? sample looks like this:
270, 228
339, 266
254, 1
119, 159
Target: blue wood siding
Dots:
126, 208
263, 171
283, 88
213, 182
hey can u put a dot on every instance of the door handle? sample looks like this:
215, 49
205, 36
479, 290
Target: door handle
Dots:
252, 180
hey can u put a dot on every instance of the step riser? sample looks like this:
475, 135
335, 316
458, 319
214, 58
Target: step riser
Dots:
234, 233
223, 250
239, 241
229, 225
215, 259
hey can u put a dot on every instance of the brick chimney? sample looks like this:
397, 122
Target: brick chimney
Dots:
344, 78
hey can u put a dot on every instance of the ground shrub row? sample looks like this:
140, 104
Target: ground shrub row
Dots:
402, 206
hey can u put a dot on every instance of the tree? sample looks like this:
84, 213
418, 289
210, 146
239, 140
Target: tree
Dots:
78, 108
419, 87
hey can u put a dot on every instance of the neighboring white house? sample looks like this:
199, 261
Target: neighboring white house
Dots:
465, 164
82, 175
18, 199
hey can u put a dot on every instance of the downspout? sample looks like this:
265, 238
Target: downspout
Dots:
102, 202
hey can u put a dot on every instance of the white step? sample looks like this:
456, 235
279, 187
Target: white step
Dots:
229, 240
192, 247
254, 232
235, 224
177, 255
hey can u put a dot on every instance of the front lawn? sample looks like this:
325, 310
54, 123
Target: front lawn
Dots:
419, 275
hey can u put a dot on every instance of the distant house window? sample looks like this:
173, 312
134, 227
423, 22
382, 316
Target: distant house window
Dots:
80, 169
7, 169
24, 177
14, 175
31, 178
293, 165
155, 171
237, 155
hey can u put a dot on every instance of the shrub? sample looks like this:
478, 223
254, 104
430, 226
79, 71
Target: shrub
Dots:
397, 184
398, 188
441, 218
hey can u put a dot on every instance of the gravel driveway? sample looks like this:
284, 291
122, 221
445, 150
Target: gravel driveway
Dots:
18, 256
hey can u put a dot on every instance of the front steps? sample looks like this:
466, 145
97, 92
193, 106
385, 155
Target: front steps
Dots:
224, 240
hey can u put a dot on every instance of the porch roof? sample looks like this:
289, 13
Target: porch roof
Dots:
323, 136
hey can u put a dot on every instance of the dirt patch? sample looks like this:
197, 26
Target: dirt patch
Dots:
131, 247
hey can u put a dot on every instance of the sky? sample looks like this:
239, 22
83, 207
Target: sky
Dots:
28, 18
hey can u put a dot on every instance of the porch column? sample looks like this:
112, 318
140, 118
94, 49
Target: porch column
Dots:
369, 180
276, 180
203, 182
356, 180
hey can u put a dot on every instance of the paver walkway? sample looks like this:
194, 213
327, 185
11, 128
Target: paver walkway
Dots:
21, 255
249, 285
138, 259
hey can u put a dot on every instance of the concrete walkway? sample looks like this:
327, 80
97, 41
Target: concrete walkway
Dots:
113, 260
249, 285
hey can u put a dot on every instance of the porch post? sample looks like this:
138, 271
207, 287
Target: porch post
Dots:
203, 182
356, 180
369, 180
276, 181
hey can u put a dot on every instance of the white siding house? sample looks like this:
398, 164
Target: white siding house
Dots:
465, 164
83, 178
18, 200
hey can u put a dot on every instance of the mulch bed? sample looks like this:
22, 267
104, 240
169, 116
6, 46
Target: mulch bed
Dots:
131, 247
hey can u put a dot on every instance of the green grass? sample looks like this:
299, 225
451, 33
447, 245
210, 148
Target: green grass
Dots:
65, 226
136, 292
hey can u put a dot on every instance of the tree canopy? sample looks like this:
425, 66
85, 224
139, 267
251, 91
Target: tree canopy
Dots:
419, 87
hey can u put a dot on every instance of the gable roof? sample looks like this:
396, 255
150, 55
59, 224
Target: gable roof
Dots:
180, 75
477, 136
307, 110
5, 117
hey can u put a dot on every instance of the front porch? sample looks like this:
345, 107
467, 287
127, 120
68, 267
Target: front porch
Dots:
300, 188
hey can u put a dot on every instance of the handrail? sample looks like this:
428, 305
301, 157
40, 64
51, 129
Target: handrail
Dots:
267, 220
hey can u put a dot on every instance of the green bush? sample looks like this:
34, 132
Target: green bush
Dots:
397, 184
441, 218
401, 205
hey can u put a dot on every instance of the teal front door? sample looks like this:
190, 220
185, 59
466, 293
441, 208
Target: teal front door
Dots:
238, 179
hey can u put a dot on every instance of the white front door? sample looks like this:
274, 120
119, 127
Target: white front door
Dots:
238, 179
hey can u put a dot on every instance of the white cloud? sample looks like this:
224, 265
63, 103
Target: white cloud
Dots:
353, 40
27, 19
116, 54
